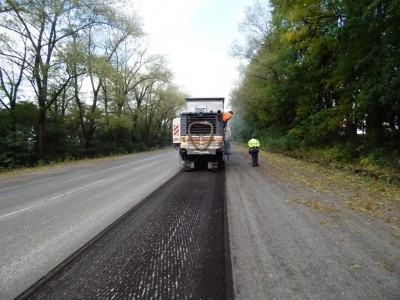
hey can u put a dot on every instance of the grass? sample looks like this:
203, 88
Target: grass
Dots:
383, 265
396, 232
317, 205
362, 205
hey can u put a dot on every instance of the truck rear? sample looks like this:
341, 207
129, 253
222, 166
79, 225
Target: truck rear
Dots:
176, 132
202, 133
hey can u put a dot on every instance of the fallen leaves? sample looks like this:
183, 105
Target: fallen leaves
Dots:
361, 205
335, 188
354, 266
317, 205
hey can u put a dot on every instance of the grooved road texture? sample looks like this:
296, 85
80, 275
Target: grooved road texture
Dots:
171, 246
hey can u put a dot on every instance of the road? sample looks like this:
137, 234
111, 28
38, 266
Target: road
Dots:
47, 216
170, 246
283, 250
279, 249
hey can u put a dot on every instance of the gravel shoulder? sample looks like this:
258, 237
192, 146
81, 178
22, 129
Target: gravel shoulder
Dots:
300, 231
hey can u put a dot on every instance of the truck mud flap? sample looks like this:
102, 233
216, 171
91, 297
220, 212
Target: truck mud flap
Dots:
213, 165
188, 165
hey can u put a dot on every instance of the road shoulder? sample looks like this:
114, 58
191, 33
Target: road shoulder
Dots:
290, 241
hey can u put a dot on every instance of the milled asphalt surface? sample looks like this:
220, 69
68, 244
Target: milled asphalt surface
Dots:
280, 249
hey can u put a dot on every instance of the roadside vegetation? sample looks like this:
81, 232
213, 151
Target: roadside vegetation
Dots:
320, 81
77, 81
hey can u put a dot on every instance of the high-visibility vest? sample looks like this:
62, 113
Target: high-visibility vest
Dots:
226, 116
254, 143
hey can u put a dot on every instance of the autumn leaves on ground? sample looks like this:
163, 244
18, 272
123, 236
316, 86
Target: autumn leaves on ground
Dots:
333, 190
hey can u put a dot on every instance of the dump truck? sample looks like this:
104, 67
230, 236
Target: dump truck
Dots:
202, 134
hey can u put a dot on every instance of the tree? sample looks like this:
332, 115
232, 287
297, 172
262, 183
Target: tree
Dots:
86, 66
369, 60
324, 72
100, 54
47, 25
11, 75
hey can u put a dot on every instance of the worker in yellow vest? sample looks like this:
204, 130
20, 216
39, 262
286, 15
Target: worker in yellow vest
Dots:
254, 146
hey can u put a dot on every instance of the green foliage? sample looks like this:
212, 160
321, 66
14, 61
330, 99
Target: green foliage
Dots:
17, 136
92, 45
345, 153
280, 143
325, 72
376, 158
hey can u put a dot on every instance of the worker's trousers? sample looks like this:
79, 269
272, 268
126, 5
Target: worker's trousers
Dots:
254, 159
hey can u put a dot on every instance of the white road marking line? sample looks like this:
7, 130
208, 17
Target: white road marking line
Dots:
52, 199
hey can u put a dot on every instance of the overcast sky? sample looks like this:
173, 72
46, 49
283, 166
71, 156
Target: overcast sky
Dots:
196, 36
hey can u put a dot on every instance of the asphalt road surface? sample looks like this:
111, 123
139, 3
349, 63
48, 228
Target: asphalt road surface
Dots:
278, 248
171, 246
281, 250
47, 216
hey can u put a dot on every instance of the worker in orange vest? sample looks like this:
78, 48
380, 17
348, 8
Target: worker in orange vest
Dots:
227, 116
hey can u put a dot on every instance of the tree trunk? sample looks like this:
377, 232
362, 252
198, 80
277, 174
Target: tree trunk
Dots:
41, 131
